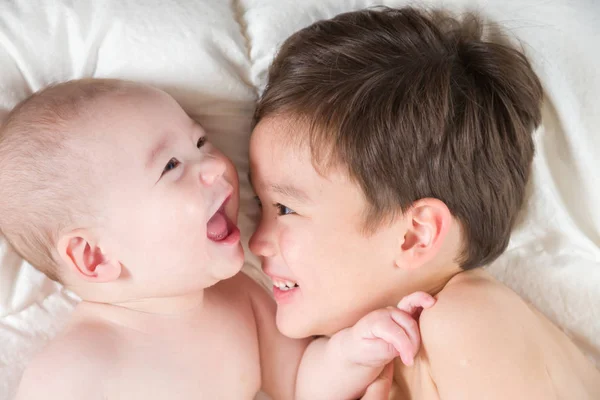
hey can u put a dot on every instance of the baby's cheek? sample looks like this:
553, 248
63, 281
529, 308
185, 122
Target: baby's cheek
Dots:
231, 174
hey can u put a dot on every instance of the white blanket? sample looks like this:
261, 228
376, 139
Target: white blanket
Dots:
212, 56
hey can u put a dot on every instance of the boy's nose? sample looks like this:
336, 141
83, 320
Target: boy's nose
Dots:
260, 245
212, 168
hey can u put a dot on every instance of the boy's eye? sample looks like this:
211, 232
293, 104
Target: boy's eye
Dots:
283, 210
172, 164
258, 202
201, 142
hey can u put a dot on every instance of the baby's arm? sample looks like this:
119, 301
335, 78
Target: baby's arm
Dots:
279, 355
341, 367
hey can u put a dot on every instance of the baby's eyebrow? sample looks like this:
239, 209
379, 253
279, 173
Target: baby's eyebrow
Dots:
156, 150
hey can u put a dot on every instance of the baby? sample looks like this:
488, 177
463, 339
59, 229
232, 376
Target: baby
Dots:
391, 153
110, 188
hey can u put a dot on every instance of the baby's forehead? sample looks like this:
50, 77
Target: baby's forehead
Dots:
134, 115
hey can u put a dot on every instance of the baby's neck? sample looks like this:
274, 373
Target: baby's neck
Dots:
165, 306
147, 314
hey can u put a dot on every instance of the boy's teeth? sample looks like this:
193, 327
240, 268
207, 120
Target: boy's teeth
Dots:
284, 285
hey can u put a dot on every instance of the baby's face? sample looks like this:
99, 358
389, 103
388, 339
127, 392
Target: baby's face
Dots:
310, 235
168, 199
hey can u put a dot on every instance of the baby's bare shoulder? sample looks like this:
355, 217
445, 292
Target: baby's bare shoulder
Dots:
243, 298
70, 364
242, 289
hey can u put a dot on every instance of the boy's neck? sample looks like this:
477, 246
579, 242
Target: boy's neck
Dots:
430, 280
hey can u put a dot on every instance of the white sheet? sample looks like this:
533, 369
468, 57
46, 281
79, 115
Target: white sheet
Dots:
212, 56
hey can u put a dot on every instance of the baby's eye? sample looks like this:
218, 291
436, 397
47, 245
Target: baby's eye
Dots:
201, 142
258, 202
283, 210
172, 164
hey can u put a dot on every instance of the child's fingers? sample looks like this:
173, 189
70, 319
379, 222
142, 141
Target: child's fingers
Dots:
409, 326
376, 352
394, 333
414, 301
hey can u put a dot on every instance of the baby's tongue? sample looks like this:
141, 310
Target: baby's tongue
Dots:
216, 228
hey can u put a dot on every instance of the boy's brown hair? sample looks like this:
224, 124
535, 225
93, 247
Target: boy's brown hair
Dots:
415, 104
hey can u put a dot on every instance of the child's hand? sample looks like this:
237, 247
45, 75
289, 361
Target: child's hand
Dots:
385, 334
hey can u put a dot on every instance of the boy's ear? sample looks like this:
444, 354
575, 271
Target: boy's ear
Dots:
428, 222
85, 258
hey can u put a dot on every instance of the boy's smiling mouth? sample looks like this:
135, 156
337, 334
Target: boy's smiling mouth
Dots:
284, 289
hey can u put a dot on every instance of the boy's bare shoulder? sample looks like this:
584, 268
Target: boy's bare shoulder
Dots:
477, 337
72, 362
472, 311
469, 298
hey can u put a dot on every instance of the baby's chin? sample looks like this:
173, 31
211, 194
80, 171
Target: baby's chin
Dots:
229, 268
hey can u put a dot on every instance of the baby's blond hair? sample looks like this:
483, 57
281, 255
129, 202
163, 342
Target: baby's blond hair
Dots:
42, 185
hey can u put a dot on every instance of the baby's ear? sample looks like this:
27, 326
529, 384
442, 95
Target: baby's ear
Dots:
85, 258
427, 224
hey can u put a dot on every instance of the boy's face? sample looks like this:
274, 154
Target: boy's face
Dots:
310, 234
168, 199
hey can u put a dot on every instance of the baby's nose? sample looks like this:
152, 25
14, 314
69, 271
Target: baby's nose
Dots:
211, 169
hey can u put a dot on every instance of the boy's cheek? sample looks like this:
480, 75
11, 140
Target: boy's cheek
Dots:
295, 248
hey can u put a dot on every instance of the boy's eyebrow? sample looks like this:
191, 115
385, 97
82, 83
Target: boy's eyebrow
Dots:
284, 190
156, 150
290, 191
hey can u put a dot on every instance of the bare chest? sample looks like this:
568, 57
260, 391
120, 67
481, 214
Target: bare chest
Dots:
215, 361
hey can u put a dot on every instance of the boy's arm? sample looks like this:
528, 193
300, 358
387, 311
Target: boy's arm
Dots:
341, 367
327, 368
381, 387
477, 350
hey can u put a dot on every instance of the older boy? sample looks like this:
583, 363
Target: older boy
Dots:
391, 154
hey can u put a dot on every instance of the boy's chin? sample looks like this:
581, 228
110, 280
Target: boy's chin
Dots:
294, 326
303, 324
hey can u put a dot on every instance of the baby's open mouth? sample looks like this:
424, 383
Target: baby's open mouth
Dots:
219, 226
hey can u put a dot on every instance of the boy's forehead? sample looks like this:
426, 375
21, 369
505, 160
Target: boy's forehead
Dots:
287, 169
272, 157
280, 140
